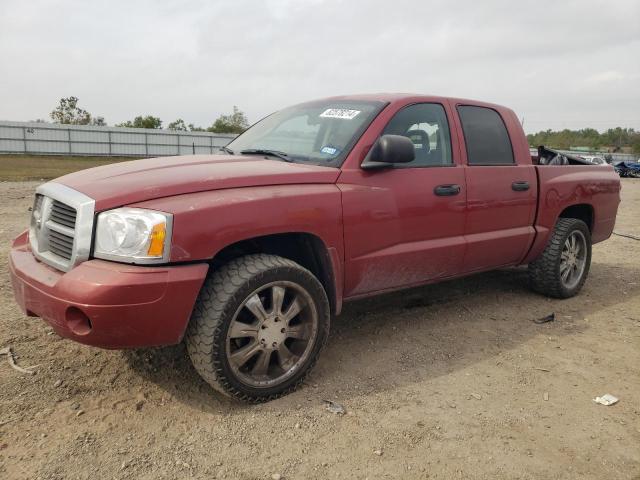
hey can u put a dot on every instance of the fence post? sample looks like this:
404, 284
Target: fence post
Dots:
69, 139
146, 144
178, 147
24, 138
109, 139
211, 142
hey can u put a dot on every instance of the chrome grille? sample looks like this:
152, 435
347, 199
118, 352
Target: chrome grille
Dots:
60, 244
63, 214
61, 226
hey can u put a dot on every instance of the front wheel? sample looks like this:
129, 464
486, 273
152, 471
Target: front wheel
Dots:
258, 327
561, 270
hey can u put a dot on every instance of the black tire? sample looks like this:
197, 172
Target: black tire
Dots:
544, 273
222, 297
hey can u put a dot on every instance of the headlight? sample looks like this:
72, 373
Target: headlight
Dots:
133, 235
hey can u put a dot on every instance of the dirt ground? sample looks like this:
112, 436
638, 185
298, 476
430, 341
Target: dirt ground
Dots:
442, 382
23, 167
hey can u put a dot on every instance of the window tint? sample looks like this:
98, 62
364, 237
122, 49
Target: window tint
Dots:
427, 127
486, 136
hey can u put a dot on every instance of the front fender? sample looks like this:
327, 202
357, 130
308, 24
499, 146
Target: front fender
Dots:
204, 223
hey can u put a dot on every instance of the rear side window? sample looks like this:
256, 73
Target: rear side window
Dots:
486, 136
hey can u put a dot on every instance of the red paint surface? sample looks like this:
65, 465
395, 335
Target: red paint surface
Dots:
129, 182
128, 306
383, 230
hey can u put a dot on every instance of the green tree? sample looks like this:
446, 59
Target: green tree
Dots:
613, 139
635, 142
235, 123
178, 125
148, 121
67, 112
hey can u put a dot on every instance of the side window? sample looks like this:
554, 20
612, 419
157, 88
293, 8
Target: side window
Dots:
486, 136
427, 127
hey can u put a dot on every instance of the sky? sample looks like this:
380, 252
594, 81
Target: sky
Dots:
558, 64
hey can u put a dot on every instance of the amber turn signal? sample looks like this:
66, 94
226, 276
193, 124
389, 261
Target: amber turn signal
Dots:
156, 245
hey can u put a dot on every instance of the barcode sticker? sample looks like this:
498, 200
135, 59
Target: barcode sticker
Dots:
340, 113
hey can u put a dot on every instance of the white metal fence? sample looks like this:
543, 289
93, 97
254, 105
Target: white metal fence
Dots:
52, 139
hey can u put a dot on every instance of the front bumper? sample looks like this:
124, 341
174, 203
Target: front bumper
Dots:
106, 304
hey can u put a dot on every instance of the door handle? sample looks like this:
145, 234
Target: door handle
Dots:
520, 186
447, 190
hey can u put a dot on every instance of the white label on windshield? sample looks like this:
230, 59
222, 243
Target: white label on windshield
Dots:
340, 113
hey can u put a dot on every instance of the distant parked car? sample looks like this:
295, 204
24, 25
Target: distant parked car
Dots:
627, 169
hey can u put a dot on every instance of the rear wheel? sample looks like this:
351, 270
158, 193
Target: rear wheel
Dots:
258, 327
561, 270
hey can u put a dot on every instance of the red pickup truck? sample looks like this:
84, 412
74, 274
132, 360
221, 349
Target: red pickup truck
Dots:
248, 254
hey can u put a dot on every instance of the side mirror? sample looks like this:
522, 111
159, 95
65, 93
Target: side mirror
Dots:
389, 150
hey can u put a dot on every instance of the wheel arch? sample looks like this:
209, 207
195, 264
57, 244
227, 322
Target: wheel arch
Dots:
580, 211
306, 249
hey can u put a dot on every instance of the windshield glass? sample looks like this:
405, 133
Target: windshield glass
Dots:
321, 132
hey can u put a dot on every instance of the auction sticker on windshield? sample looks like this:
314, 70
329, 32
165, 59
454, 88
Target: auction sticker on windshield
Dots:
340, 113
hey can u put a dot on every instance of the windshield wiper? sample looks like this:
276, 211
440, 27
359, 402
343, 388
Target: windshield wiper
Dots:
227, 150
263, 151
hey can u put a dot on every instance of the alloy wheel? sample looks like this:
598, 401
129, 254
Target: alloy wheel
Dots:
272, 334
573, 259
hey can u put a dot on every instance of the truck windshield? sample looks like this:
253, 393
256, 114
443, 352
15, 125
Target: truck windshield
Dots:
320, 132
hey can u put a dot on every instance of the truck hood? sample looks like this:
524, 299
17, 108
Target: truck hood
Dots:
139, 180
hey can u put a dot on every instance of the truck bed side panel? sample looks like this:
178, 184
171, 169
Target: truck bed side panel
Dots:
561, 187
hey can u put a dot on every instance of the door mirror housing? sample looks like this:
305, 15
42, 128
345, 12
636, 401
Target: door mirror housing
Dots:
389, 150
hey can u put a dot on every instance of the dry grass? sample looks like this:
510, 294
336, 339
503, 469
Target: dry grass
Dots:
15, 168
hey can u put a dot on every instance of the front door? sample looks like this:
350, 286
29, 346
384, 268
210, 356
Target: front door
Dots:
405, 225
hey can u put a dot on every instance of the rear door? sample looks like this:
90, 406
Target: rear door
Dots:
405, 225
501, 188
